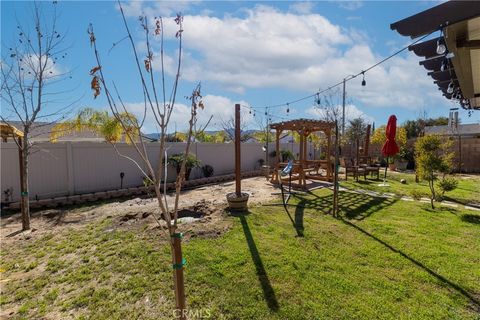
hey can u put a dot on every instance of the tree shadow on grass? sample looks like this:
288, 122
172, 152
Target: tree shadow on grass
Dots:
439, 208
268, 292
472, 297
471, 218
353, 205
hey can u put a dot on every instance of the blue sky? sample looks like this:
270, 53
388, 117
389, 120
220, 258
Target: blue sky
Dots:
255, 53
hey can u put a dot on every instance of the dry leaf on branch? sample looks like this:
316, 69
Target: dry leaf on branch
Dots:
92, 35
95, 84
94, 70
158, 28
179, 18
148, 64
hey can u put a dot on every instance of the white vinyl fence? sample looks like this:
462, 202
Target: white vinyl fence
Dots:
68, 168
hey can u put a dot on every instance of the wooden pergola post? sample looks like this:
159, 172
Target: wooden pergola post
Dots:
328, 155
277, 147
6, 131
335, 175
238, 150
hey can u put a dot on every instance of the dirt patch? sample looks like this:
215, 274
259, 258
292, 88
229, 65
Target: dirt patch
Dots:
202, 219
202, 212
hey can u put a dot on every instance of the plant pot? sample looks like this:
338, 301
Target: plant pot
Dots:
187, 173
401, 165
391, 166
237, 203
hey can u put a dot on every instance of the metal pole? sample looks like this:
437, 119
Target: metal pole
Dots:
343, 109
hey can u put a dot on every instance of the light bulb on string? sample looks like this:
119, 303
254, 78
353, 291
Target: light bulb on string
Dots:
450, 87
441, 48
444, 65
364, 83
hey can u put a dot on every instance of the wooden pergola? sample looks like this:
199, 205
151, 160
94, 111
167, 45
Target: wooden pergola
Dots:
9, 131
303, 168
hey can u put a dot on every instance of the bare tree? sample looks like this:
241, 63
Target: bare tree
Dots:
30, 88
228, 126
122, 125
329, 105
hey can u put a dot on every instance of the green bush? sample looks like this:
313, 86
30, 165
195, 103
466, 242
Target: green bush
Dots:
207, 170
177, 159
432, 156
447, 184
416, 194
191, 162
286, 155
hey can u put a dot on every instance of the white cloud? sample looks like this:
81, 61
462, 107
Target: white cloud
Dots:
268, 48
350, 5
302, 7
156, 8
221, 108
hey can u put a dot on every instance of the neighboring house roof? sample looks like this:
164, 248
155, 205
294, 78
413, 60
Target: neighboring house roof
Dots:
40, 132
471, 129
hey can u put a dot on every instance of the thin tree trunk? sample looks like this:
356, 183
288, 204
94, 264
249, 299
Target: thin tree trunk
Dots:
179, 281
24, 197
430, 184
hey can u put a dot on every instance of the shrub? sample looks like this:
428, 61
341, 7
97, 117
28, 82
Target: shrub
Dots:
417, 195
207, 170
432, 156
447, 184
191, 162
286, 155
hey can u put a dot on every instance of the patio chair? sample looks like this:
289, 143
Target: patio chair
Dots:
351, 169
370, 169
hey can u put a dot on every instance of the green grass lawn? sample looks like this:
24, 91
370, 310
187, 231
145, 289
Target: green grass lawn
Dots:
468, 190
384, 259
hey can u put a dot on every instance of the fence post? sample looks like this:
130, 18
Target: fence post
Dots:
70, 172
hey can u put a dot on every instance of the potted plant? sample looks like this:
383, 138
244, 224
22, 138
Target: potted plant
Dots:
286, 155
404, 156
391, 164
177, 159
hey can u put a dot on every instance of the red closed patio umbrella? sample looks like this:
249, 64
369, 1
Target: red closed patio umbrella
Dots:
390, 148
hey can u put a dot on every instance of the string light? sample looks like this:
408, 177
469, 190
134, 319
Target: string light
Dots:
364, 83
450, 87
441, 48
444, 65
